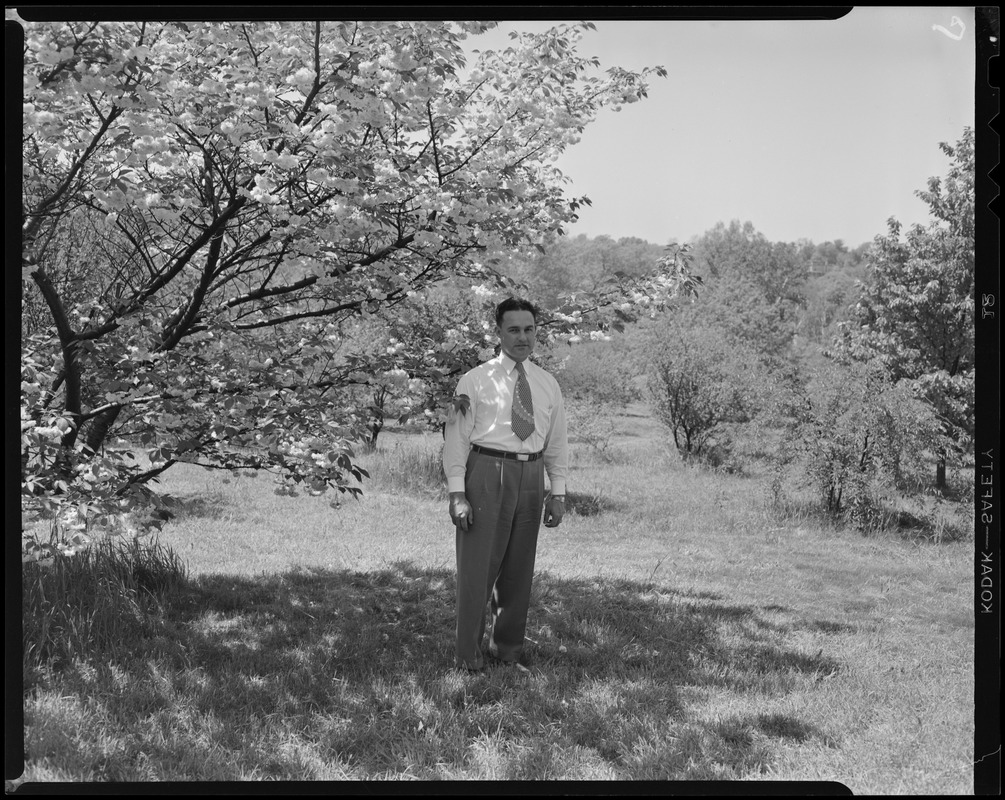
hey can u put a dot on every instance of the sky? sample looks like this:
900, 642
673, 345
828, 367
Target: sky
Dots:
818, 130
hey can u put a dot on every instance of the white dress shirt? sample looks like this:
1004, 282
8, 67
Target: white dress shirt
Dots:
488, 423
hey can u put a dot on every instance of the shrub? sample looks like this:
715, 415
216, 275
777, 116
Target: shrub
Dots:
856, 439
701, 386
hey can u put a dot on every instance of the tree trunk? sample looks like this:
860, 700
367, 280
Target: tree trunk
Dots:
68, 345
377, 415
940, 473
96, 429
375, 428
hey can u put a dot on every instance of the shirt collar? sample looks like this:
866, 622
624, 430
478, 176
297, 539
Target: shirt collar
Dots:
509, 364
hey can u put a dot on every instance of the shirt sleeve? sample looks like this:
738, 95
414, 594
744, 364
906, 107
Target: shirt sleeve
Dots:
457, 437
556, 447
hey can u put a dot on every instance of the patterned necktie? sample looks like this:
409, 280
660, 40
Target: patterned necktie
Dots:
523, 405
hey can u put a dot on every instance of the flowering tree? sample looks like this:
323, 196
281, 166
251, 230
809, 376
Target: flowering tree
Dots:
206, 205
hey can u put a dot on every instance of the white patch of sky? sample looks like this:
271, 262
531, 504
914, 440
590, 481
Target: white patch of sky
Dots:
808, 129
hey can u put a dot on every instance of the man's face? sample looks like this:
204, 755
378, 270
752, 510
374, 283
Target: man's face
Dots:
516, 334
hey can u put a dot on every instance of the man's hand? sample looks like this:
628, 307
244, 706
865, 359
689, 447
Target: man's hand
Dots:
461, 513
554, 510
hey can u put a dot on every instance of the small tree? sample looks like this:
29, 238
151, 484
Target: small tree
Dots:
855, 438
916, 309
701, 385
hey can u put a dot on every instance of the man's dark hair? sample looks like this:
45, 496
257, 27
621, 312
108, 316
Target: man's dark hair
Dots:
514, 304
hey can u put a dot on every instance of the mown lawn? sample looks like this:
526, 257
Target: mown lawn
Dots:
679, 631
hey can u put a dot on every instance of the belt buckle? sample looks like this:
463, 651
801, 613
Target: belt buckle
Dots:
523, 456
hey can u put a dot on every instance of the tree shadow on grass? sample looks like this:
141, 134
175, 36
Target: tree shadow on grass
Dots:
360, 666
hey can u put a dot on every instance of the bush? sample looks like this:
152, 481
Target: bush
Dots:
857, 440
701, 386
93, 600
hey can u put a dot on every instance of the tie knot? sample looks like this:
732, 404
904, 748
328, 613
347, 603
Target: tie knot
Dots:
520, 367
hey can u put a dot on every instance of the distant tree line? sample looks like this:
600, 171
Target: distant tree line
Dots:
856, 364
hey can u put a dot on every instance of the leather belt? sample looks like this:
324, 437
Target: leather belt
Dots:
506, 454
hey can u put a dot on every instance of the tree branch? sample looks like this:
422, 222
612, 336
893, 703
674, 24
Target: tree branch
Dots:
68, 345
144, 477
174, 335
168, 274
33, 220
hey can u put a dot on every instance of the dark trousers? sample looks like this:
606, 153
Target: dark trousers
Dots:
495, 556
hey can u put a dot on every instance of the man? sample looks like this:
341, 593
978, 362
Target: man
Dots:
507, 428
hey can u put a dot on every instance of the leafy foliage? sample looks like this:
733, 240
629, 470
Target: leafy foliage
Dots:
916, 309
855, 438
701, 384
756, 286
829, 300
567, 265
210, 207
603, 372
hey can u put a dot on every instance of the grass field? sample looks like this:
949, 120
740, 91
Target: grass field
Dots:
679, 630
